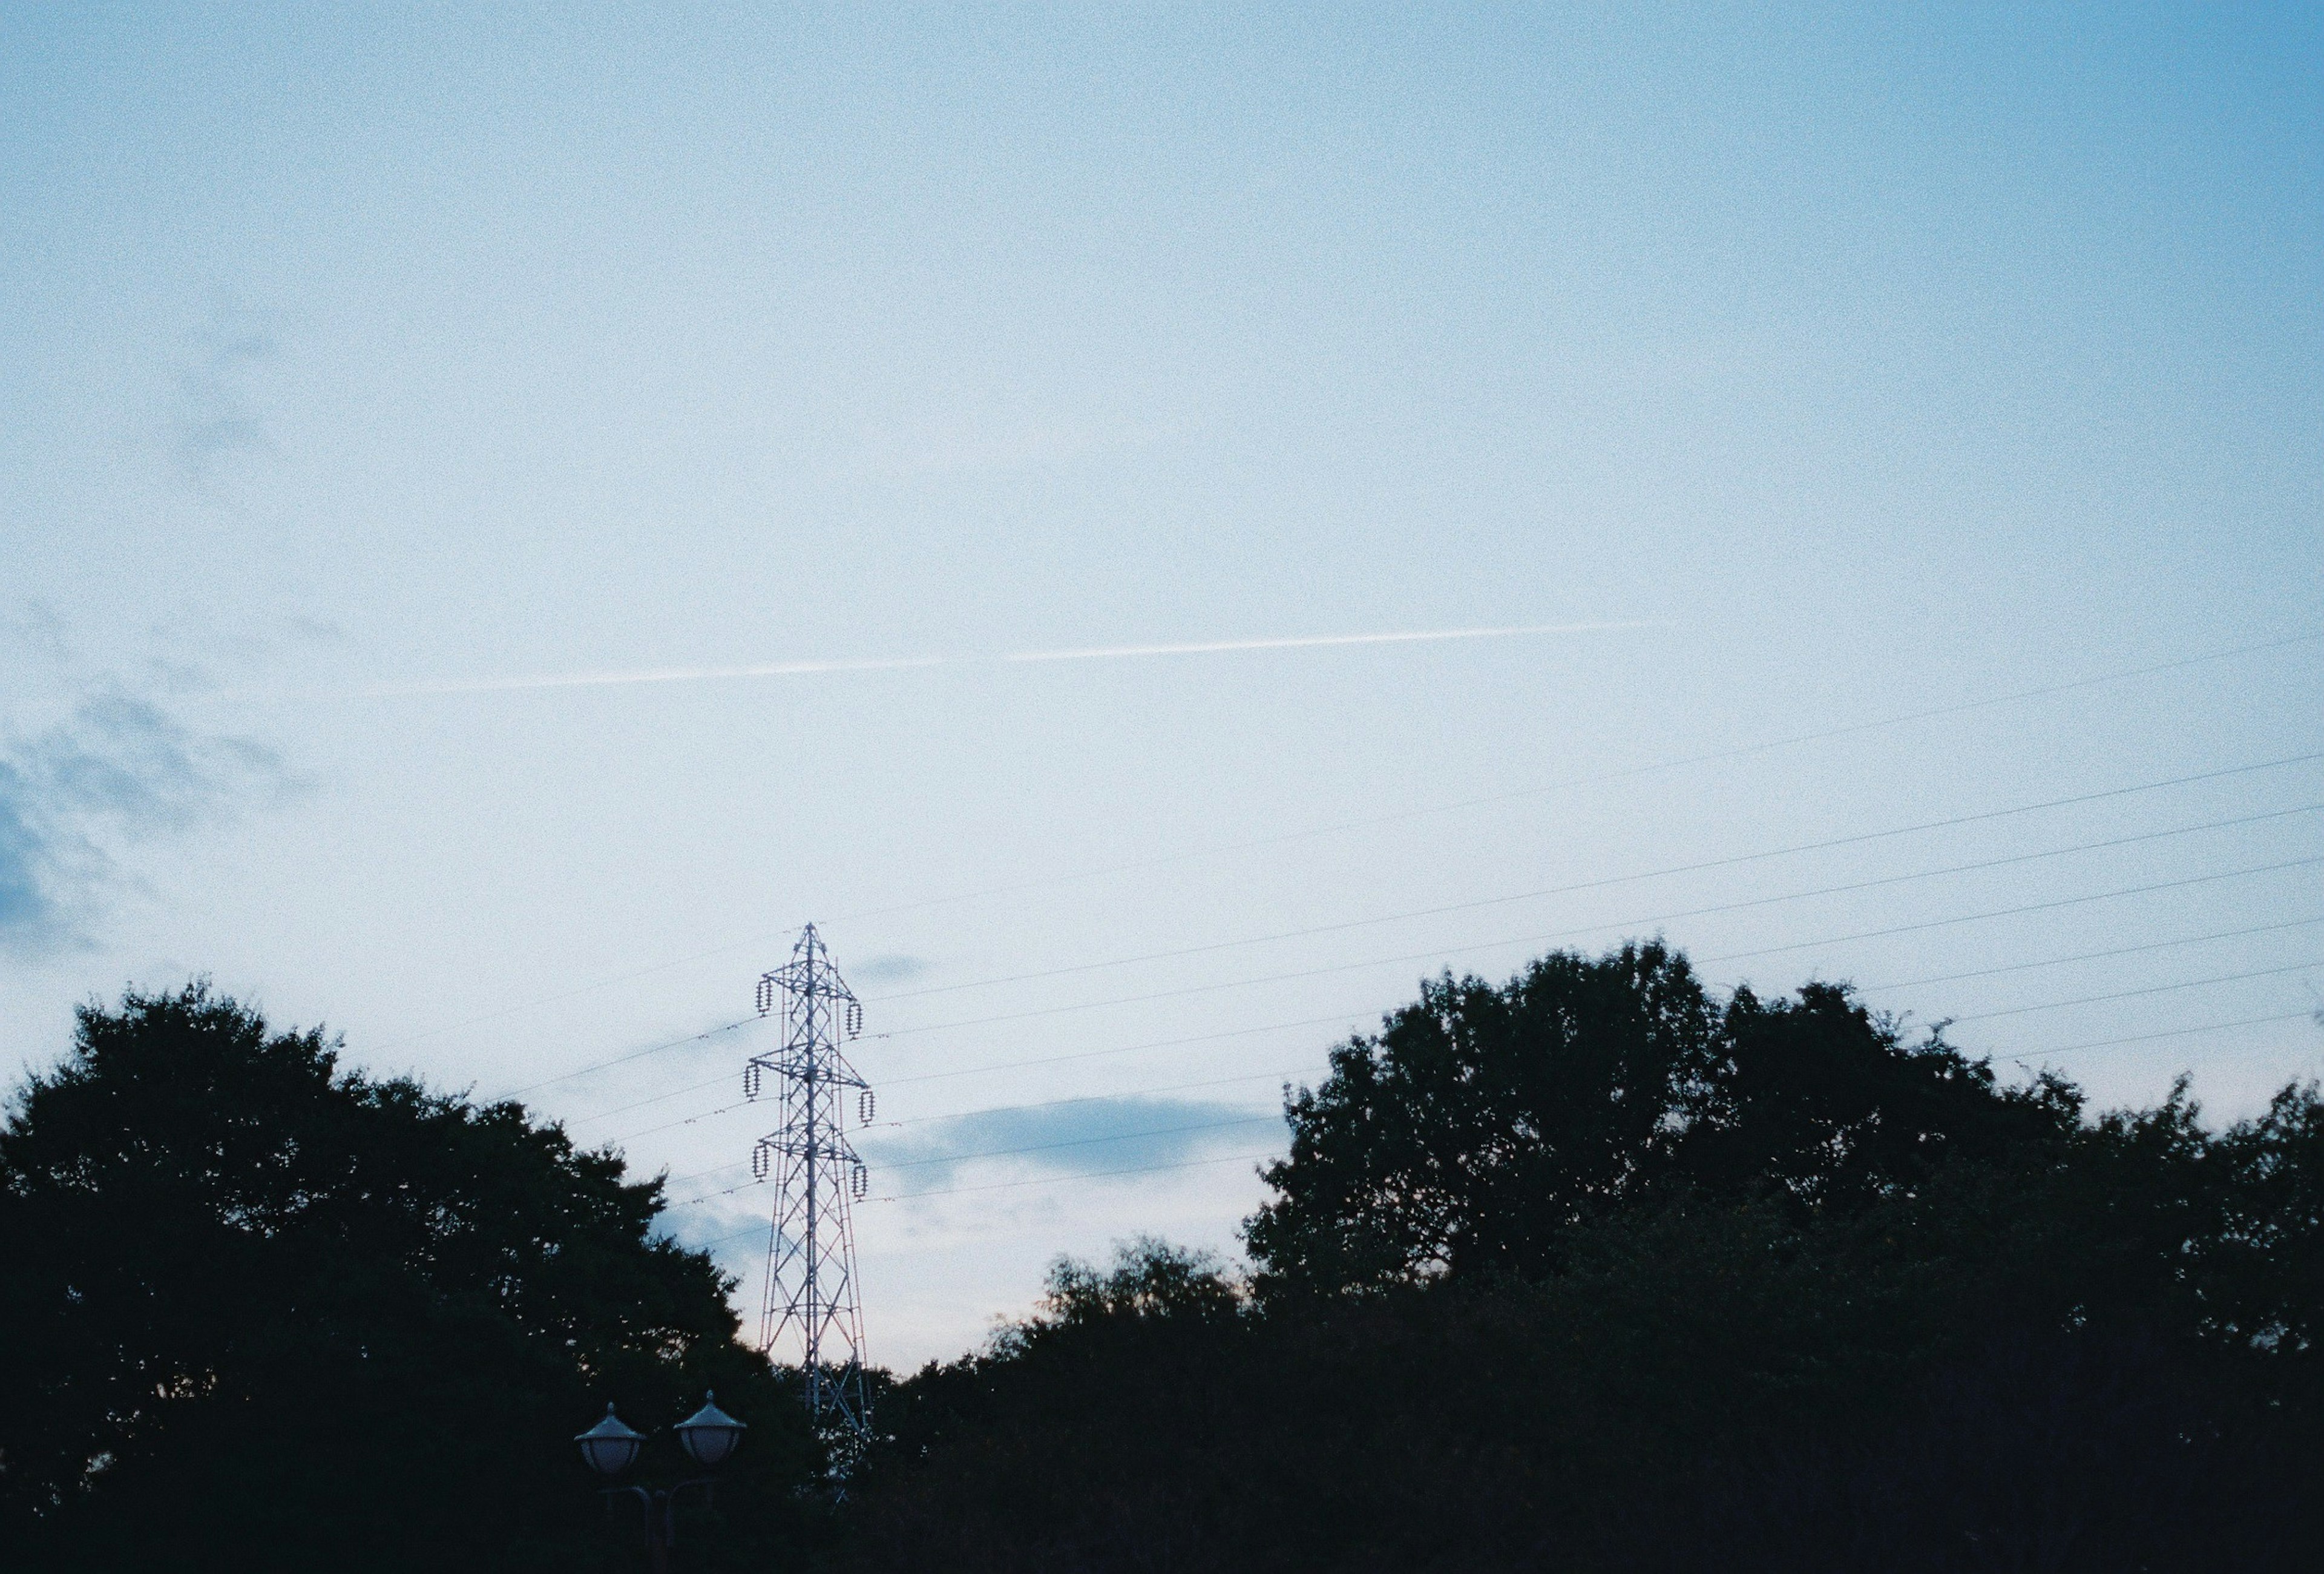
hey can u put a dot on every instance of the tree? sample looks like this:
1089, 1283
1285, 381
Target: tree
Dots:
1482, 1125
298, 1318
1588, 1274
1048, 1450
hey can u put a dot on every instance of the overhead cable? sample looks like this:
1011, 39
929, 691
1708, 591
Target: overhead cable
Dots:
1602, 883
632, 1055
1304, 1070
1632, 924
1631, 772
974, 1154
1713, 756
2225, 934
2151, 989
2176, 1033
1342, 1017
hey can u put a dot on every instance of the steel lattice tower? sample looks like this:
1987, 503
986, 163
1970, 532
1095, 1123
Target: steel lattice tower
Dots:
811, 1288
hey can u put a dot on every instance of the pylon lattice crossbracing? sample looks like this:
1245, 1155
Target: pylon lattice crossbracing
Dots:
813, 1303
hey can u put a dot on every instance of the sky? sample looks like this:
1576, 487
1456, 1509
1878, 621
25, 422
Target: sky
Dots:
506, 513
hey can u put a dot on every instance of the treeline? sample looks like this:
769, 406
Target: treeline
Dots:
1586, 1271
1591, 1271
261, 1312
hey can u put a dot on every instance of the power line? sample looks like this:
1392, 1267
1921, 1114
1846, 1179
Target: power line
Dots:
1636, 923
1039, 1180
1042, 1060
2225, 934
1128, 1136
1060, 1179
657, 1099
1148, 1092
1143, 1092
936, 1075
2225, 772
1018, 1065
1298, 1071
1713, 756
2152, 989
1032, 1148
687, 1120
1733, 956
536, 1003
633, 1055
1041, 1104
962, 1158
2176, 1033
1002, 1066
1857, 839
1021, 1108
722, 1240
1872, 934
930, 1076
1234, 1158
1854, 840
687, 1179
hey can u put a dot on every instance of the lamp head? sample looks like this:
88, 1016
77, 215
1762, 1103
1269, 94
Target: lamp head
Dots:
609, 1448
710, 1435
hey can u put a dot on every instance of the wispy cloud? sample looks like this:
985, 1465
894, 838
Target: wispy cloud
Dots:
32, 636
76, 796
214, 423
1087, 1134
891, 968
600, 680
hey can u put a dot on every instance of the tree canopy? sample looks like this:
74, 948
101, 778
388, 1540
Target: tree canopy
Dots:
1588, 1271
301, 1318
1482, 1124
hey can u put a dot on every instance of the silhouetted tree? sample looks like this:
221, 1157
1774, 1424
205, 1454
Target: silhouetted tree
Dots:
1481, 1125
1589, 1273
263, 1312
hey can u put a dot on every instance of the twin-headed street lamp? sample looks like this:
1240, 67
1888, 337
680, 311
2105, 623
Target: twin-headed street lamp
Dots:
709, 1436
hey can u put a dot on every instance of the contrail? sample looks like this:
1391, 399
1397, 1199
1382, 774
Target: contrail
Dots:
603, 679
1303, 641
651, 675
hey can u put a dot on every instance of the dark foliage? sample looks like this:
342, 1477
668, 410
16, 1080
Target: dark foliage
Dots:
1482, 1125
264, 1314
1586, 1274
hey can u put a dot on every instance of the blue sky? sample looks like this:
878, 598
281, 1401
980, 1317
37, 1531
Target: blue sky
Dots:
1806, 368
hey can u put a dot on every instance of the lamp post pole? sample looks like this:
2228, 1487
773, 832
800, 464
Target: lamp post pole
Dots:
709, 1436
661, 1520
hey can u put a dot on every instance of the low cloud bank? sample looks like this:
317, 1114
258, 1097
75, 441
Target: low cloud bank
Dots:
1089, 1134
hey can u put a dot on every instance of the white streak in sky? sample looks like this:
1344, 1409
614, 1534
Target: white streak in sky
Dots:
1303, 641
652, 675
898, 663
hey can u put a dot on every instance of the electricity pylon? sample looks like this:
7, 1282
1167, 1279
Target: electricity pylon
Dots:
811, 1288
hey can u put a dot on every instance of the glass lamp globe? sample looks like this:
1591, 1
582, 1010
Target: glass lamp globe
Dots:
609, 1448
710, 1434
